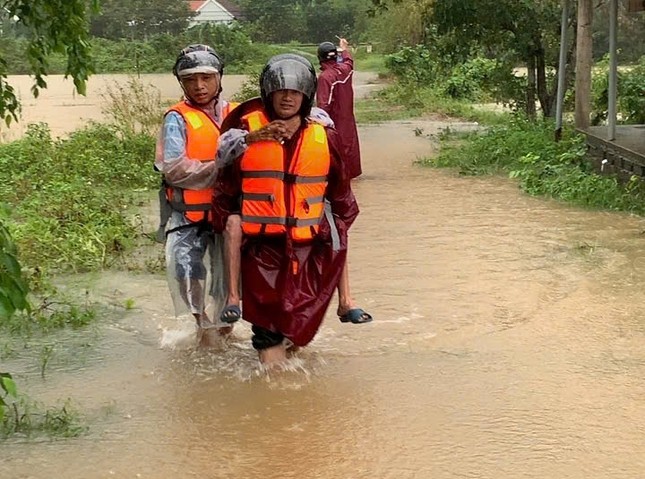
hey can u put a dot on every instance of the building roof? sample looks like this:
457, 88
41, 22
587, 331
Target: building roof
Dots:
195, 5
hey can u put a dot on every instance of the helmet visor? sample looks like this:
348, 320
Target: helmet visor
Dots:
288, 74
198, 62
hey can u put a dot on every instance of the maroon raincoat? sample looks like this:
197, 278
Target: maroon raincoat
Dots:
335, 95
274, 297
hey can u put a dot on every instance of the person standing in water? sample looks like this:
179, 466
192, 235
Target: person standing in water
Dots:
288, 186
186, 151
335, 95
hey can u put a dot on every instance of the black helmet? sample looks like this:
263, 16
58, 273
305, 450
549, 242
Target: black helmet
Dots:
288, 71
197, 58
327, 51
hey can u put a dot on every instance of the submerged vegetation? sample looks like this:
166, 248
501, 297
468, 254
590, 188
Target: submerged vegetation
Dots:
24, 417
68, 208
19, 414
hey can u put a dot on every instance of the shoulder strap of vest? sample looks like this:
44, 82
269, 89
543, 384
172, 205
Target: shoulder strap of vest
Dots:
196, 117
179, 107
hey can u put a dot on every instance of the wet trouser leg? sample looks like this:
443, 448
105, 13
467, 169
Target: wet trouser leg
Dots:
264, 339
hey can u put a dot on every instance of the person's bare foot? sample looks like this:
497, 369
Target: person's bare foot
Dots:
290, 348
273, 356
208, 338
225, 331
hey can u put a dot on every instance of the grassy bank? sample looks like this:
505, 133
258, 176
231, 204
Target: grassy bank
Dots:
508, 144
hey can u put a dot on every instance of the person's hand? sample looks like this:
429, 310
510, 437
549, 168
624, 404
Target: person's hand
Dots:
343, 44
291, 126
275, 130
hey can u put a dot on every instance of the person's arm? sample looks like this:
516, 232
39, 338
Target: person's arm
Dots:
233, 143
226, 197
171, 159
230, 147
320, 116
348, 60
346, 56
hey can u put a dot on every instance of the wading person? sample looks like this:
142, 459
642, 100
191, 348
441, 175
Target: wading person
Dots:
186, 157
295, 202
335, 95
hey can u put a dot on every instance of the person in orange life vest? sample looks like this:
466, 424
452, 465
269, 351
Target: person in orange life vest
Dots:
186, 151
335, 95
296, 206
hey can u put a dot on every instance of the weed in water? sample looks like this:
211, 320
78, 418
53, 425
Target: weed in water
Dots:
46, 354
585, 248
27, 418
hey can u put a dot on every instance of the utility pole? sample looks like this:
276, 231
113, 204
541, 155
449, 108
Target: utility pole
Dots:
562, 69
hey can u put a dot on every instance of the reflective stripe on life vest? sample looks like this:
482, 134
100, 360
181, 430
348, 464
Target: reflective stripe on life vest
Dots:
277, 201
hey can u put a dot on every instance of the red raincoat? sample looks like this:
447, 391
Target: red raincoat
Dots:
335, 95
274, 297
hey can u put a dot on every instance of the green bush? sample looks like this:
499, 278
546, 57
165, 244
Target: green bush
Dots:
414, 65
68, 196
630, 93
477, 78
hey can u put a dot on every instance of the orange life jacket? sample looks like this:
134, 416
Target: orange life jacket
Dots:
202, 134
277, 200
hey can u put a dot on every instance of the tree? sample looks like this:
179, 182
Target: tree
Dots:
139, 19
529, 28
278, 21
310, 21
523, 31
326, 19
405, 25
50, 26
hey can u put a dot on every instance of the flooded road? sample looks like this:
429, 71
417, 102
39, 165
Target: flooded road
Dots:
508, 342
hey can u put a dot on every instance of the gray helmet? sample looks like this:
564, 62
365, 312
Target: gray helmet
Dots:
327, 51
197, 58
289, 71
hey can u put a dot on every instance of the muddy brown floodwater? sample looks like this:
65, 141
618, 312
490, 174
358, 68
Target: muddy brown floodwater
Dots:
508, 342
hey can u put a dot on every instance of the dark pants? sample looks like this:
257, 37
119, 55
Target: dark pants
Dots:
264, 339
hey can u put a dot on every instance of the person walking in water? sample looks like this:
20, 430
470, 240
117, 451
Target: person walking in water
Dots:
185, 156
335, 95
290, 189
